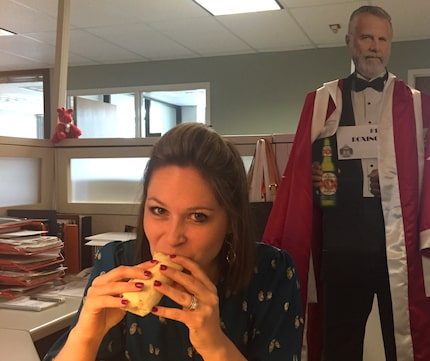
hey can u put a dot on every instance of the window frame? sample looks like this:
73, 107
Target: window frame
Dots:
32, 75
40, 149
97, 148
142, 124
413, 74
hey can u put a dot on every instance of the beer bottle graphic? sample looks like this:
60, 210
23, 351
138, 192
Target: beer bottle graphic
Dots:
328, 186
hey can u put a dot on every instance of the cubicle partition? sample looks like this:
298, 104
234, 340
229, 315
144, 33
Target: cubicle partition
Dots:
97, 177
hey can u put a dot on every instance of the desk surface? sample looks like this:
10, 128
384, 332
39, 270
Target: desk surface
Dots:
40, 324
17, 345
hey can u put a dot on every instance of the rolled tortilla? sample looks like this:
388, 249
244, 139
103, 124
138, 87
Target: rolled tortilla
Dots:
142, 302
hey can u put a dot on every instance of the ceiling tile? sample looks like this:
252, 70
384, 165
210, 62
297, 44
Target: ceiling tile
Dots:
156, 10
34, 50
267, 31
143, 40
405, 13
12, 62
315, 22
117, 31
205, 36
22, 19
89, 46
46, 6
91, 13
305, 3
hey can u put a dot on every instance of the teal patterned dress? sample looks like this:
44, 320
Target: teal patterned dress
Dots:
264, 322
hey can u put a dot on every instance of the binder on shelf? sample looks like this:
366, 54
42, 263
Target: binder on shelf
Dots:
80, 256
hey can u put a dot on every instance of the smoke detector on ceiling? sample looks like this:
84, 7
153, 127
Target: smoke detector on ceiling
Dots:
334, 28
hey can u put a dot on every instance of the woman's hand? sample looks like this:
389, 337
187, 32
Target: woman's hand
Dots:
103, 305
103, 308
203, 321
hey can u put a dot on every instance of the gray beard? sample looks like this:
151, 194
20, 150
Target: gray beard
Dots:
369, 71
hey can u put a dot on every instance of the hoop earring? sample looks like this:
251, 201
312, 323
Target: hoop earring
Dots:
231, 253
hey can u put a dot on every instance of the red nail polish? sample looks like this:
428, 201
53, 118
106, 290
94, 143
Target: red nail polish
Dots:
138, 285
147, 273
153, 261
172, 256
163, 267
154, 309
157, 283
124, 301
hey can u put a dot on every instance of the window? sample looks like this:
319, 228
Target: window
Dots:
105, 116
21, 178
111, 180
96, 179
106, 180
139, 112
24, 104
102, 180
420, 79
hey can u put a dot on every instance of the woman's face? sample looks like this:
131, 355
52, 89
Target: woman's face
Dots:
183, 217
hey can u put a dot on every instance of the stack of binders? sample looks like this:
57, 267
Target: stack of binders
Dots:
28, 257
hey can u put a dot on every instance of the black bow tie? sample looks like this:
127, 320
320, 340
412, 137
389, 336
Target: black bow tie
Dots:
360, 84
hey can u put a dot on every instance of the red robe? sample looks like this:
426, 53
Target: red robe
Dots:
295, 223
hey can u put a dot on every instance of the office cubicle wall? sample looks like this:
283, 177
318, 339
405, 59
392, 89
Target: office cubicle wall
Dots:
26, 173
112, 202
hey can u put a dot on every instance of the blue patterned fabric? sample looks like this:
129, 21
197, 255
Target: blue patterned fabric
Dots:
264, 322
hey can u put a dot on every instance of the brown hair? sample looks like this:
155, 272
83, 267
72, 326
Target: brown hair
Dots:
219, 162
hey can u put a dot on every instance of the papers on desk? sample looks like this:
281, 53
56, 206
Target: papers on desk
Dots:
28, 257
22, 233
31, 278
30, 260
69, 285
11, 222
101, 239
71, 289
11, 292
19, 263
73, 286
32, 303
29, 244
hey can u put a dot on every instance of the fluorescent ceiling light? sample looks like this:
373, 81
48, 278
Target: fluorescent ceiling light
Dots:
227, 7
4, 32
